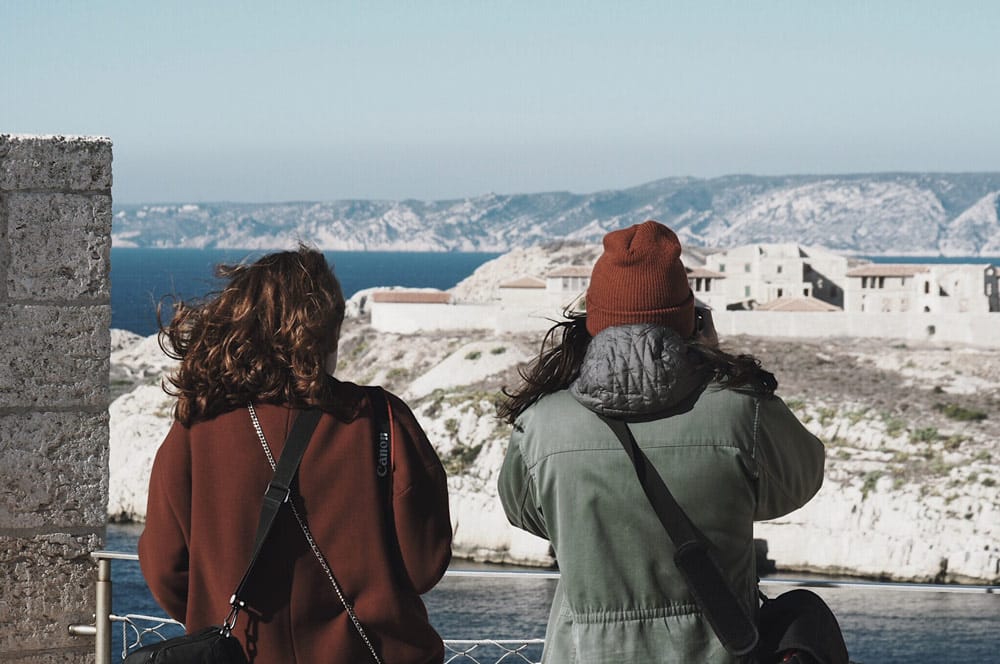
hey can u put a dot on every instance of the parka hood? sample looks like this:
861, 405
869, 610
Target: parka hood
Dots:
633, 371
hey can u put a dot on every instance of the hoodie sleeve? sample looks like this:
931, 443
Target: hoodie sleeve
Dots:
517, 489
790, 460
420, 501
163, 545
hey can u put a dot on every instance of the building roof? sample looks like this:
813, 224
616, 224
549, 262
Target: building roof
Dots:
524, 282
703, 272
887, 270
799, 304
412, 296
571, 271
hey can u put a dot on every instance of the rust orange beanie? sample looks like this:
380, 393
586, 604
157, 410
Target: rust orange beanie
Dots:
640, 279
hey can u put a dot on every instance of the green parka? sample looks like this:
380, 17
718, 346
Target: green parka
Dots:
730, 457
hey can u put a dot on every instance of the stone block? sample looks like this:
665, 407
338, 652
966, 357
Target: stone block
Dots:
83, 654
61, 163
54, 357
57, 470
4, 252
48, 585
59, 246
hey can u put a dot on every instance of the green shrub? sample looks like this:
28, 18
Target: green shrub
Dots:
960, 413
499, 350
925, 435
461, 458
473, 355
954, 442
870, 480
893, 425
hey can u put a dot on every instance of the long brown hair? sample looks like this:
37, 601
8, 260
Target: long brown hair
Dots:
565, 344
264, 337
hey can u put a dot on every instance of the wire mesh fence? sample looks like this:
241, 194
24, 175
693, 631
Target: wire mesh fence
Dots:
139, 630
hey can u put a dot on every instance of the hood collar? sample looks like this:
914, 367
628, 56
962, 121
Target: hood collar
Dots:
635, 371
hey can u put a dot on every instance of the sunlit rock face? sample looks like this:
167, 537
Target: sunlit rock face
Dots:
912, 464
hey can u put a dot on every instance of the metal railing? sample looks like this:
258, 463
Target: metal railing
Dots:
138, 629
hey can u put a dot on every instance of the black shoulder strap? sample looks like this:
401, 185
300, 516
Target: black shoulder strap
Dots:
731, 623
383, 432
280, 487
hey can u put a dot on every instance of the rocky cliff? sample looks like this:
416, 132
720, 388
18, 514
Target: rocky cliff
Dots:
911, 432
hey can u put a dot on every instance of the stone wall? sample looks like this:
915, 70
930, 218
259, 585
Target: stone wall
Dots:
55, 313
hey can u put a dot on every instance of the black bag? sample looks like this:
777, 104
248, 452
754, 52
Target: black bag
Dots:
795, 627
212, 645
798, 626
215, 645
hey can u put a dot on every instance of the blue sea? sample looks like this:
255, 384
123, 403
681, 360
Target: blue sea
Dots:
143, 278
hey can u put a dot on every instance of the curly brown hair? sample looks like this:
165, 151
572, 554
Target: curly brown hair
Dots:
265, 337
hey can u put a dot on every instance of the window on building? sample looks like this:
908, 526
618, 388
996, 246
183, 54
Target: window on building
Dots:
746, 267
708, 285
780, 292
746, 291
779, 269
722, 267
927, 288
697, 285
881, 282
805, 291
864, 282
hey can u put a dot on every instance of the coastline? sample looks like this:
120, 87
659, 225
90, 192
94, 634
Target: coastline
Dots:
909, 493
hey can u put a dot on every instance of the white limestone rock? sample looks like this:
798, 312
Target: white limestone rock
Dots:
140, 421
912, 499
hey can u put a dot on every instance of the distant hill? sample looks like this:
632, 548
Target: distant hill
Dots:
951, 214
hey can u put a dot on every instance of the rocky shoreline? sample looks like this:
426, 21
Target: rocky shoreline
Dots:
913, 462
911, 433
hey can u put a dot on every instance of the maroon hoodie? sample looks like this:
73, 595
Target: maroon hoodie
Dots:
205, 495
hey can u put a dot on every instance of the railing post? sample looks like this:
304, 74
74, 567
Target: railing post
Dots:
102, 619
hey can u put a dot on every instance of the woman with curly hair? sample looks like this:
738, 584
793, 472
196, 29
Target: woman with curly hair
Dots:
251, 359
729, 450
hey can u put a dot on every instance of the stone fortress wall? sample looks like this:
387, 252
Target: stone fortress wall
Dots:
55, 314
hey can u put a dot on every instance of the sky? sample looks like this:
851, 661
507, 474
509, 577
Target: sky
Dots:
266, 101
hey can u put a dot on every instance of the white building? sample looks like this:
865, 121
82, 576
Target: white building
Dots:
570, 280
941, 288
756, 274
522, 292
708, 287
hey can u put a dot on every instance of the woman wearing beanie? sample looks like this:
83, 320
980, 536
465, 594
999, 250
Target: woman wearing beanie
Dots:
729, 450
